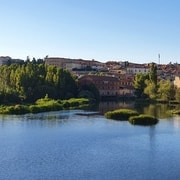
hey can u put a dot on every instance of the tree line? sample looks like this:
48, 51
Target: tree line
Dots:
29, 81
32, 80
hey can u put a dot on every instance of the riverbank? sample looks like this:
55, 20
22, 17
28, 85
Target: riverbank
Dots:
44, 105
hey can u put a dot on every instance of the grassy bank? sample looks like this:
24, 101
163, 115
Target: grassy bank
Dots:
121, 114
44, 105
143, 120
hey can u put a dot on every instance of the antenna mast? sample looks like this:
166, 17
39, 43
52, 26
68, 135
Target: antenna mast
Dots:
159, 58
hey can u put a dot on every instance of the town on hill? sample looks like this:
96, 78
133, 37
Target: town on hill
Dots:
111, 78
114, 78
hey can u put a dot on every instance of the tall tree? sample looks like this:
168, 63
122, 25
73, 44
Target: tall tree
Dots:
67, 87
151, 82
177, 95
153, 73
166, 90
150, 89
139, 84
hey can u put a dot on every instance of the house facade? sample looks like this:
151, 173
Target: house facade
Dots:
6, 60
74, 64
126, 85
108, 86
134, 69
177, 77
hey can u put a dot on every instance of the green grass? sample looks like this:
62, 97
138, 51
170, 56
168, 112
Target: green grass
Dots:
143, 120
120, 114
45, 105
16, 109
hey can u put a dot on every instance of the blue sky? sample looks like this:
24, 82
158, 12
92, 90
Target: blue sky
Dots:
120, 30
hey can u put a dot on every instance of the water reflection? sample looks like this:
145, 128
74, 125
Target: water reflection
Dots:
152, 137
105, 106
45, 119
176, 121
48, 119
157, 110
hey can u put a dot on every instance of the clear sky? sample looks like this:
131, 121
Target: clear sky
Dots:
120, 30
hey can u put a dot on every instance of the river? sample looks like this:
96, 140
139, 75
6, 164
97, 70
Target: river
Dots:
69, 145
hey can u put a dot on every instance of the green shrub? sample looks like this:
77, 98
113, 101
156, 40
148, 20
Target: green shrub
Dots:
34, 109
74, 102
120, 114
65, 104
16, 109
54, 106
44, 105
5, 109
21, 109
143, 120
176, 112
43, 100
78, 101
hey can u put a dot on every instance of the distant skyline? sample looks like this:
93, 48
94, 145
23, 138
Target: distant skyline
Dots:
104, 30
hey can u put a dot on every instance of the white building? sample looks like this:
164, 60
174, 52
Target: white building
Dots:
5, 60
137, 68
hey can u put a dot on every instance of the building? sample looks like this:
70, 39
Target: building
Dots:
177, 77
108, 86
126, 85
74, 64
6, 60
134, 69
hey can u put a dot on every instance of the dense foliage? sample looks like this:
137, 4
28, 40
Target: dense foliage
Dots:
139, 84
147, 85
31, 81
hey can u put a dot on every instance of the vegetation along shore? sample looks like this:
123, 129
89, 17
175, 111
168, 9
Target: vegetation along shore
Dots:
34, 86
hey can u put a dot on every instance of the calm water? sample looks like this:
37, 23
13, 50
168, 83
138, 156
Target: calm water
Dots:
65, 145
